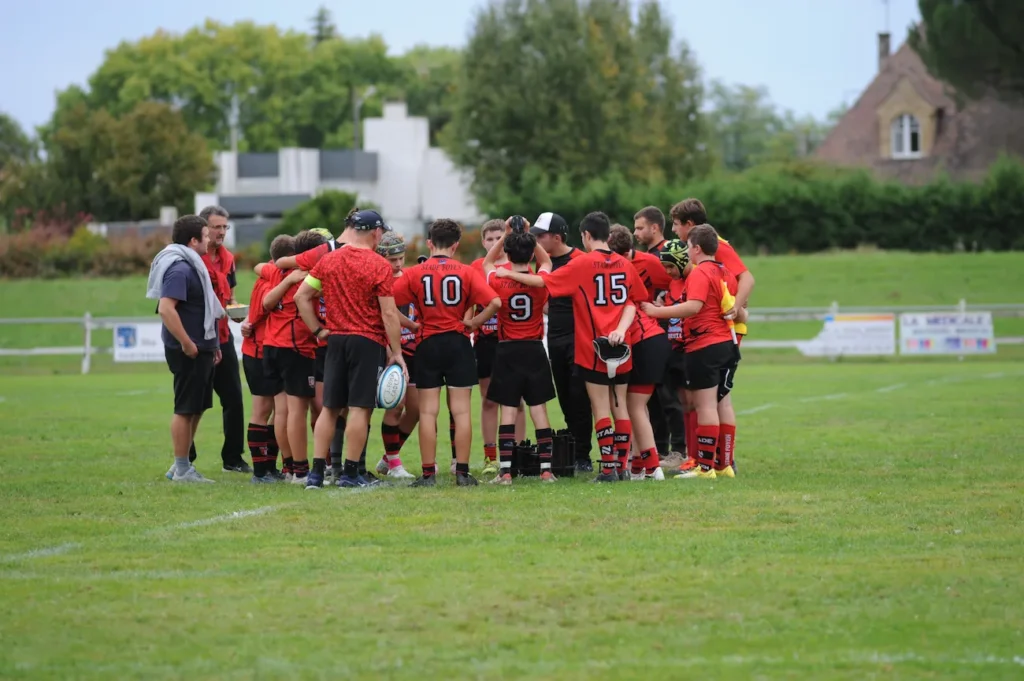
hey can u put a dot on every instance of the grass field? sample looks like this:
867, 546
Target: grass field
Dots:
873, 532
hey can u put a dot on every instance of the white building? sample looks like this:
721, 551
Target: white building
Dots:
397, 169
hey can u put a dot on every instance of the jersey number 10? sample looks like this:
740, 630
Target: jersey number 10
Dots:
451, 290
613, 284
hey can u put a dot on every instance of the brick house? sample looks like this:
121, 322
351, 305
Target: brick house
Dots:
909, 126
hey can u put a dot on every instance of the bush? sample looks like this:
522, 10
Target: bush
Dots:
805, 207
48, 253
327, 209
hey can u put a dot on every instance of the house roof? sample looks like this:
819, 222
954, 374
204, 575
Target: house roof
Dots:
969, 137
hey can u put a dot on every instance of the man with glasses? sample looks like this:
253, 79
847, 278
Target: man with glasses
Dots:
227, 381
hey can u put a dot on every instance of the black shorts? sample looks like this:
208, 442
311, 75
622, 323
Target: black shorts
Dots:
295, 373
485, 349
712, 367
445, 359
193, 380
601, 377
650, 358
521, 373
351, 371
320, 362
256, 378
675, 370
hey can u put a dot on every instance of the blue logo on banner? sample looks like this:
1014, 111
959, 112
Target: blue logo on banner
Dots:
126, 337
953, 343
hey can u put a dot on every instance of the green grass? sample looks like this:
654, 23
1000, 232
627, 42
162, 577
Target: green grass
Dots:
874, 532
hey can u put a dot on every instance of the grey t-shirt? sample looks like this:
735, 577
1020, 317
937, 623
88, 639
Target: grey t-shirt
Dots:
182, 283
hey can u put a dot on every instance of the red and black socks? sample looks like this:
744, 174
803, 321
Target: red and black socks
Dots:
392, 445
506, 447
726, 445
545, 440
707, 444
605, 444
257, 437
650, 462
272, 449
490, 451
623, 436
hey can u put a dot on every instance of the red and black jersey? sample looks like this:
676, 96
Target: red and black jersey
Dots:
442, 289
285, 328
704, 283
560, 309
728, 256
257, 318
600, 284
652, 274
521, 316
676, 295
490, 327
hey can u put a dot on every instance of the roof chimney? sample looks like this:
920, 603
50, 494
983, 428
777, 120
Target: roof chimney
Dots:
883, 49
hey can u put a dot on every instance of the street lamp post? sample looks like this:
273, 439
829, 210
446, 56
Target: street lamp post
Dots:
357, 106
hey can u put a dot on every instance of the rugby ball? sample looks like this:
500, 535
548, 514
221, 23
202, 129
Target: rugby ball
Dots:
237, 312
391, 387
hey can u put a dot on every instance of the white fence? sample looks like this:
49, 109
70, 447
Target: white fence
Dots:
770, 314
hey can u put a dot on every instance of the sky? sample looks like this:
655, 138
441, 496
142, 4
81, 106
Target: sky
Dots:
812, 55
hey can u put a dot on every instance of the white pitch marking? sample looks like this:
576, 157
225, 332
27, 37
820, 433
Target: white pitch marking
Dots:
833, 396
224, 518
132, 393
890, 388
997, 374
41, 553
754, 410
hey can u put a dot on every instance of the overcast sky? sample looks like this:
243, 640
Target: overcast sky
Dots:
811, 54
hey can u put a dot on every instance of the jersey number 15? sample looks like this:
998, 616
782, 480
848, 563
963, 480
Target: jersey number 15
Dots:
611, 286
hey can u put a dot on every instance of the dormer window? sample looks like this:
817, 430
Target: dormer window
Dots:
905, 137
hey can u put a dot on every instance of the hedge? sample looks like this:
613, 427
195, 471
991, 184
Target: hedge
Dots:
803, 208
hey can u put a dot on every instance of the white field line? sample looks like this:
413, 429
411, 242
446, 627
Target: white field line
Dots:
754, 410
65, 548
263, 510
108, 576
40, 553
890, 388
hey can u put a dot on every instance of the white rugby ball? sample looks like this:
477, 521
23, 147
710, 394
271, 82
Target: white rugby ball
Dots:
391, 387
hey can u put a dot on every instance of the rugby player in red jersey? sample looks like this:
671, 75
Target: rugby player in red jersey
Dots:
650, 348
712, 354
485, 345
363, 323
262, 434
442, 289
605, 289
521, 370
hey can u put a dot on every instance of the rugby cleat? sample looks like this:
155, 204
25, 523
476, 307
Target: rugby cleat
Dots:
192, 475
237, 467
726, 472
697, 473
348, 482
658, 474
502, 479
425, 481
607, 477
584, 466
314, 480
382, 466
399, 473
465, 480
267, 479
490, 467
548, 476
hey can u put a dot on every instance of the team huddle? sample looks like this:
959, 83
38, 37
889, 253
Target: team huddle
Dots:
328, 315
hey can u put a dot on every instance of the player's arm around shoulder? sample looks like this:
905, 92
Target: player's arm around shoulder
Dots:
307, 292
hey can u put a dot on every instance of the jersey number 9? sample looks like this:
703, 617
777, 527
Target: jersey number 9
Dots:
521, 306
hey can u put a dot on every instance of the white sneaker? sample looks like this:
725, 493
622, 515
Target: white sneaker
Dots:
191, 476
296, 480
399, 473
658, 474
382, 466
637, 477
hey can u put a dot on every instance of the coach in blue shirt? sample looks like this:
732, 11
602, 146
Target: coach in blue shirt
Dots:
189, 310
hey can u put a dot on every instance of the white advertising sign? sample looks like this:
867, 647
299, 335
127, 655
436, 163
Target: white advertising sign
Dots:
853, 334
947, 333
142, 343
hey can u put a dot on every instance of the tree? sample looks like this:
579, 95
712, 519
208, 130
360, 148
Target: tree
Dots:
328, 210
323, 27
428, 83
977, 46
15, 145
126, 168
567, 89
